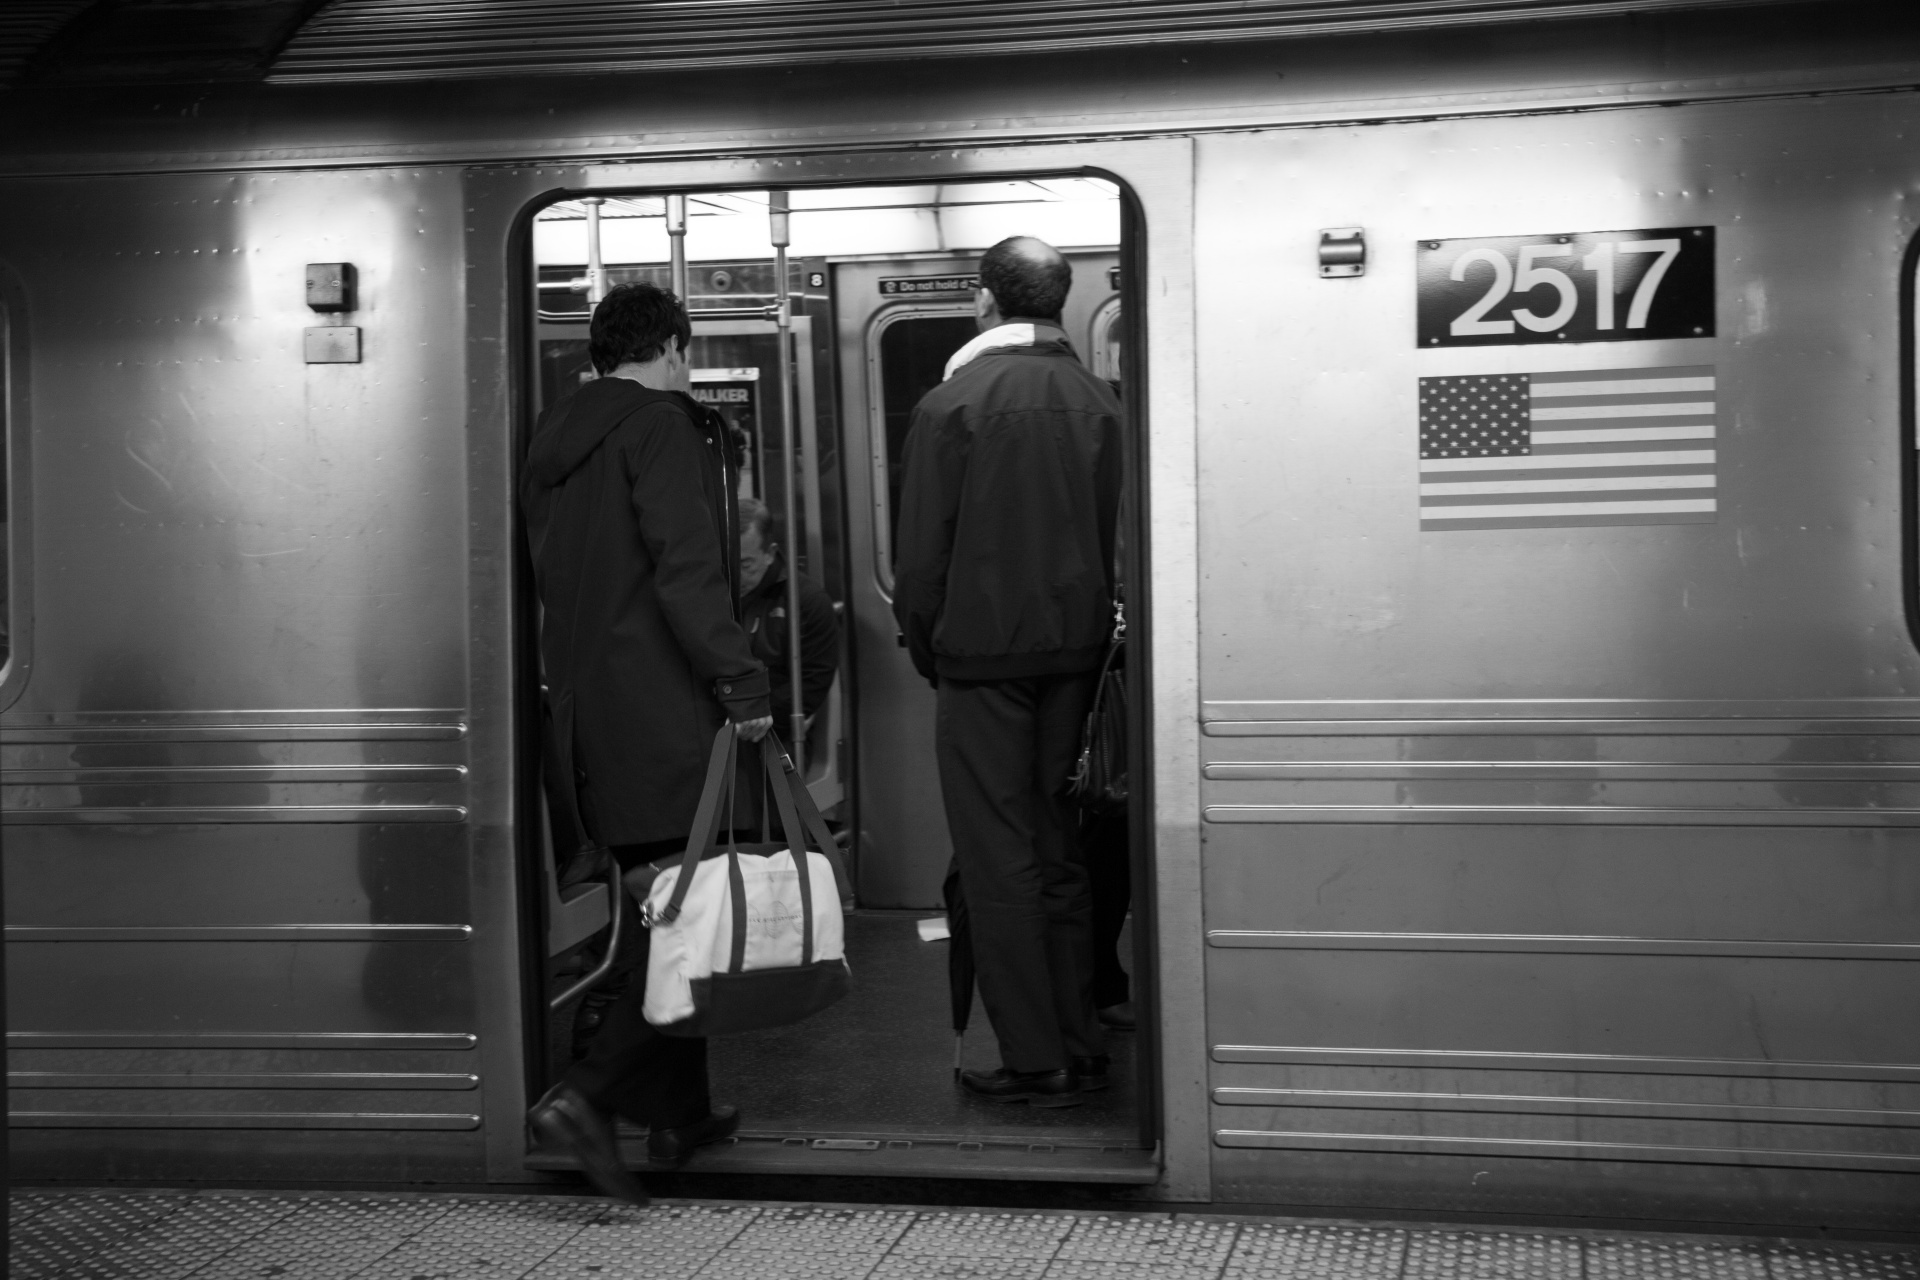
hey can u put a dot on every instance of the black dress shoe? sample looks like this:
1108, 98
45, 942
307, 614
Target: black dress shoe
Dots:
564, 1120
1117, 1017
1041, 1088
673, 1146
1092, 1072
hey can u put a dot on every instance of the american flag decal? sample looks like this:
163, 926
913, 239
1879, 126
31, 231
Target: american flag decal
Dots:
1549, 450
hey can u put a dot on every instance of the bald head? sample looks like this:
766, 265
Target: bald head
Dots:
1027, 277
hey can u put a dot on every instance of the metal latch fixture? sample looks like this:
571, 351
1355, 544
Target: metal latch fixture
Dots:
1343, 252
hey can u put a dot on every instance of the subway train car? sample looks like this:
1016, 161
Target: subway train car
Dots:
1520, 569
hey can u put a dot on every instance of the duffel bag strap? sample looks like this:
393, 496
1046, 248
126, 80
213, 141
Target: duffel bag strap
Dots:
737, 893
780, 766
706, 818
781, 782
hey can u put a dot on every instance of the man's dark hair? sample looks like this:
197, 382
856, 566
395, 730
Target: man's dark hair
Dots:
1028, 278
634, 322
754, 515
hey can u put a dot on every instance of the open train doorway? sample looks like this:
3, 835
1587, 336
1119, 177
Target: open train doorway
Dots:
880, 284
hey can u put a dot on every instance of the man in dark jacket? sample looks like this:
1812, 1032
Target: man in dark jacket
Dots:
628, 493
1003, 586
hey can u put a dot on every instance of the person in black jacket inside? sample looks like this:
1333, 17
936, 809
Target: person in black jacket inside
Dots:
628, 492
763, 611
1004, 590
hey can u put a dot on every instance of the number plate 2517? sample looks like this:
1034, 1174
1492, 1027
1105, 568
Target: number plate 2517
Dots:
1590, 286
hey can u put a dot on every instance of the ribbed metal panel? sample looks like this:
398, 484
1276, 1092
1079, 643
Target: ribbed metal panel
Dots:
446, 39
25, 25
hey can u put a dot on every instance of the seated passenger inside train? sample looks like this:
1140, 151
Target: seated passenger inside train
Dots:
763, 612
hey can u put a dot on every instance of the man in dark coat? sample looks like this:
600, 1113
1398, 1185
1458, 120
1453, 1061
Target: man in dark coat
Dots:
1003, 580
628, 494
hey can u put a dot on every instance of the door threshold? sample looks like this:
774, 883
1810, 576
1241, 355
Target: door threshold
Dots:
918, 1156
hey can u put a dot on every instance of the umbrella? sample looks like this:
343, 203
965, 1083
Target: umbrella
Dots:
959, 960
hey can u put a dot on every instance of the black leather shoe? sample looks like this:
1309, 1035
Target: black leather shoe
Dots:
1117, 1017
1092, 1072
563, 1120
673, 1146
1041, 1088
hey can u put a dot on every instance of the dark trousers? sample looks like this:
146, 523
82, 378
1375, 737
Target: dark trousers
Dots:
652, 1079
1109, 863
1005, 749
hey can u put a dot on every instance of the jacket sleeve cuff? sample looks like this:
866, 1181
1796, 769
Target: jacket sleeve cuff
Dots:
745, 697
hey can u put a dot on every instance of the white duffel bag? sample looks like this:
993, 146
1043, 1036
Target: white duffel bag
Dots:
741, 939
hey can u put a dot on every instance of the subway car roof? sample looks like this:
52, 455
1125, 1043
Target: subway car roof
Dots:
305, 41
140, 85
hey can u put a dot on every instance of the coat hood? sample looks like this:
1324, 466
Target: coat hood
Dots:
571, 430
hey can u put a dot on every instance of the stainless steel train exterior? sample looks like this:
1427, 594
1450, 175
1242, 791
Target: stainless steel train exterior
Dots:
1564, 870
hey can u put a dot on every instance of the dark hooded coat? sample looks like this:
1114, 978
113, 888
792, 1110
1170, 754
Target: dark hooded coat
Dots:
628, 496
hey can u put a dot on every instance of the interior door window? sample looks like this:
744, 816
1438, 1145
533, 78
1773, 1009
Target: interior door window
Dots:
912, 355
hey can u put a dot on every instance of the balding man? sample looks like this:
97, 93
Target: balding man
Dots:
1003, 574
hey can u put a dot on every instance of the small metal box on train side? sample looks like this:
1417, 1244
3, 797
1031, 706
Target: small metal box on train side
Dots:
330, 286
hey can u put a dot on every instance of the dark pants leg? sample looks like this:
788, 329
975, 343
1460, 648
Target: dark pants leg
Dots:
631, 1068
1104, 836
1005, 749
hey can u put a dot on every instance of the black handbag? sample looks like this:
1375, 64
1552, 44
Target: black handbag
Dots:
1099, 780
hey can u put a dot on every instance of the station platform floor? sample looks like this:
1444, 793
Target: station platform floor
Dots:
216, 1235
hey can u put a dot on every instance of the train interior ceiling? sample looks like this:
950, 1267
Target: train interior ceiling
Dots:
881, 284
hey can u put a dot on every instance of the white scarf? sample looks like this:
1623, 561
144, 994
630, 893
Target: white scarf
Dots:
1005, 335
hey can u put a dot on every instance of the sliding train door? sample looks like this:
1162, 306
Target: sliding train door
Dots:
875, 307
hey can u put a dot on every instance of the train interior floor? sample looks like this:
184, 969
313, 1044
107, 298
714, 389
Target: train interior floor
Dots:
213, 1235
878, 1066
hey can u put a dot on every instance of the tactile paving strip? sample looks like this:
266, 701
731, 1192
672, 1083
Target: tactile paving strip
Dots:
764, 1264
328, 1239
1663, 1260
1841, 1264
1263, 1252
665, 1242
716, 1224
199, 1231
1105, 1269
487, 1240
23, 1205
75, 1228
1172, 1245
914, 1266
107, 1235
813, 1230
1466, 1255
986, 1235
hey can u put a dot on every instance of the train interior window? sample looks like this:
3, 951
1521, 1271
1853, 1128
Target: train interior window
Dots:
882, 285
910, 359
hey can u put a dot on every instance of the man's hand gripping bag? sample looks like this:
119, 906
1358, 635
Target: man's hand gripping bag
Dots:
741, 939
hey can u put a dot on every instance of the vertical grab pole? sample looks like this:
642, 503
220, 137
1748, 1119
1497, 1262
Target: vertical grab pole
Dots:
596, 266
677, 246
783, 316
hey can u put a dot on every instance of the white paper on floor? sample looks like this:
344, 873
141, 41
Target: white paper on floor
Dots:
932, 929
